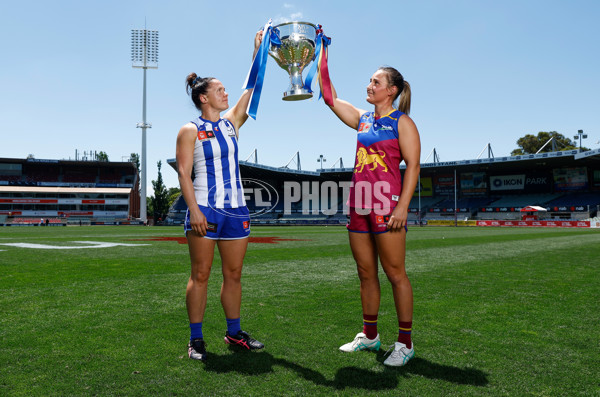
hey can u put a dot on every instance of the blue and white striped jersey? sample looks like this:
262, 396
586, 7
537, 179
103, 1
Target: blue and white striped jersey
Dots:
217, 180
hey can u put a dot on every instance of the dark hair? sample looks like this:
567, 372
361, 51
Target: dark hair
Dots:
396, 79
196, 86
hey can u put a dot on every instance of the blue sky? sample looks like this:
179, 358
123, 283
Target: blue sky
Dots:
481, 72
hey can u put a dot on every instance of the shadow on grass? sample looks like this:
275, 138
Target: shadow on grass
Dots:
461, 376
257, 363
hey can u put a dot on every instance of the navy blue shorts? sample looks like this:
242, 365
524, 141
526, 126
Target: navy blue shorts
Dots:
223, 223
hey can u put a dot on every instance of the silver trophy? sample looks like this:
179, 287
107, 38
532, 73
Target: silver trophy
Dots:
296, 51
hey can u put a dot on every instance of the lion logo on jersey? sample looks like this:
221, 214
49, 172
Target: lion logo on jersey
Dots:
364, 158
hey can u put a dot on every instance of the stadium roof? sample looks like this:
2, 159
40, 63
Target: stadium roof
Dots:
54, 189
532, 162
79, 163
510, 161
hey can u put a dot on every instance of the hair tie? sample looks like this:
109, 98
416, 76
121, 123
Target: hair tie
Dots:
196, 80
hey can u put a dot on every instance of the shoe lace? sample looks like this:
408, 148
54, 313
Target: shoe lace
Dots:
246, 336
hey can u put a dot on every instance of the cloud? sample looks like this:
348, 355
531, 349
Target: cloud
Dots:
293, 16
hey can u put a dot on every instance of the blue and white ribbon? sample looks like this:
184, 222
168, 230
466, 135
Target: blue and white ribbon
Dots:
256, 74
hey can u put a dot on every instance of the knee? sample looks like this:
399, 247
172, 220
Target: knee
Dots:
367, 275
200, 276
232, 275
397, 277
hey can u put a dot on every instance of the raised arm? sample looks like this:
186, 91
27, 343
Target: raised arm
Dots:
184, 154
410, 146
344, 110
237, 114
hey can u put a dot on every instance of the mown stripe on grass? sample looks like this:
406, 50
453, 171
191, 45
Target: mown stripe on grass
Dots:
428, 259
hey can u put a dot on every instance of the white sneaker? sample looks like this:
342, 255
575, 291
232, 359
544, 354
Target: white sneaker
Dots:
361, 342
400, 355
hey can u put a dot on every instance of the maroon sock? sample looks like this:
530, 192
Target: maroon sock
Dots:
404, 330
370, 325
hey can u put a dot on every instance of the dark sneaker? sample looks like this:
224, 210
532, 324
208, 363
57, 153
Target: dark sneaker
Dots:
197, 349
244, 340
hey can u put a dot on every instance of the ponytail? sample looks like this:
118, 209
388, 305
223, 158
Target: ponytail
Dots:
404, 101
396, 79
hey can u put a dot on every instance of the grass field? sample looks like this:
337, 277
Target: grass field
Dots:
511, 311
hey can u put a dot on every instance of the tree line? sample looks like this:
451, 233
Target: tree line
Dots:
157, 206
530, 144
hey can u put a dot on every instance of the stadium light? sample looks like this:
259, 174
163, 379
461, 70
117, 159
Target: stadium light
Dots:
144, 55
581, 136
321, 159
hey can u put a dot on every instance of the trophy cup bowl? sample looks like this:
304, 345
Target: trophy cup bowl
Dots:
296, 51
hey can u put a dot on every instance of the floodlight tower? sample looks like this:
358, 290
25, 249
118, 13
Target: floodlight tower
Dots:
321, 159
144, 55
581, 136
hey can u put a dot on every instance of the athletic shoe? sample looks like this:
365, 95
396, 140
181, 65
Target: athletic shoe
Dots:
361, 342
197, 349
244, 340
400, 355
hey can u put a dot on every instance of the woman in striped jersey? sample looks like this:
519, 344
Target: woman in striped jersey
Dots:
217, 213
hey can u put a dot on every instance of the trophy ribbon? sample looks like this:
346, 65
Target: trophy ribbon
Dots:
256, 74
320, 65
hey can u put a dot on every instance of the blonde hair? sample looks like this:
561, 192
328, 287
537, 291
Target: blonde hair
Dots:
404, 101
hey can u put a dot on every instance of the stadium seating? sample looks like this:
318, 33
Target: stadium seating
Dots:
10, 178
471, 203
524, 200
426, 202
575, 199
44, 188
33, 221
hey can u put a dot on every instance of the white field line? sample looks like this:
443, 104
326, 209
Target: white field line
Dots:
89, 244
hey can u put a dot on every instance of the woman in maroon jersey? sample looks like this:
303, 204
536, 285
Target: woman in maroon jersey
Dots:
378, 204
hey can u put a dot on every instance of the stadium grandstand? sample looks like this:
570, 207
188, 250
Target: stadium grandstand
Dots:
62, 192
566, 184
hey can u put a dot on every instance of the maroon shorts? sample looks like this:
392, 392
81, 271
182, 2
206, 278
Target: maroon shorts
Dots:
365, 220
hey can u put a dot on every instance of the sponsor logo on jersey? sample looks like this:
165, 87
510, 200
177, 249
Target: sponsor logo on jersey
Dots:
364, 127
230, 129
205, 135
374, 158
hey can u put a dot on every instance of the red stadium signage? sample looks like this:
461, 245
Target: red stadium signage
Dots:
535, 223
29, 201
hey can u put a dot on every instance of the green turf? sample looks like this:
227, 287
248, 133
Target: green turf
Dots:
498, 311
